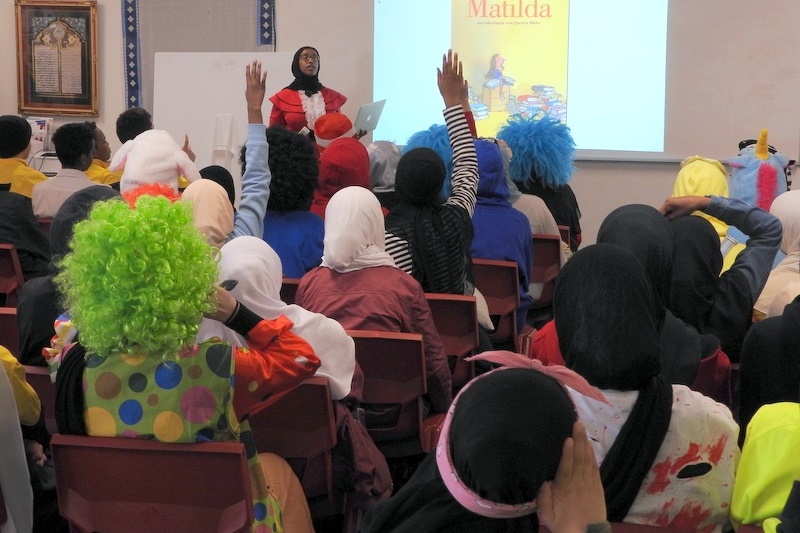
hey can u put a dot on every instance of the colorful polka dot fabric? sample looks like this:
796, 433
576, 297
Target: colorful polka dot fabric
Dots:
183, 400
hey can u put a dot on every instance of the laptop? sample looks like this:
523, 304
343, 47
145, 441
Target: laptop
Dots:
368, 116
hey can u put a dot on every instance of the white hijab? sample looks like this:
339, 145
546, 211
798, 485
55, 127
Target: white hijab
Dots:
786, 208
354, 232
14, 477
258, 270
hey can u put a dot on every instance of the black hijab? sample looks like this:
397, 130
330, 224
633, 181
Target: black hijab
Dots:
647, 234
439, 247
721, 305
491, 455
605, 314
309, 84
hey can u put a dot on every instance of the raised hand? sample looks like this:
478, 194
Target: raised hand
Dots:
450, 79
255, 91
187, 148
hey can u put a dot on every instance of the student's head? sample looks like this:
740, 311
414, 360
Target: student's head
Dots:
492, 183
306, 62
15, 137
383, 159
419, 178
102, 150
354, 228
295, 170
138, 281
221, 176
344, 162
437, 139
213, 212
606, 318
132, 122
74, 144
543, 149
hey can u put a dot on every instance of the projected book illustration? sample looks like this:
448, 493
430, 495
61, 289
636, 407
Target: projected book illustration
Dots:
515, 58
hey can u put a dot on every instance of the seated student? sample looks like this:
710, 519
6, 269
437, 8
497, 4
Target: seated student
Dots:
542, 165
488, 476
383, 159
19, 227
289, 228
74, 144
667, 454
177, 391
769, 468
427, 238
130, 124
98, 171
501, 232
15, 147
700, 176
344, 163
647, 234
39, 303
721, 305
359, 286
769, 370
786, 208
256, 269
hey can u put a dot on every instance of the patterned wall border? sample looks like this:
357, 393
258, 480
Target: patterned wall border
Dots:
130, 25
266, 22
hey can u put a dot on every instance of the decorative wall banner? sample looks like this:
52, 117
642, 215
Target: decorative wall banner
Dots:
57, 57
130, 25
266, 22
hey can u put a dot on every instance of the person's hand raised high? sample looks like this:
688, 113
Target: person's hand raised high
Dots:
450, 78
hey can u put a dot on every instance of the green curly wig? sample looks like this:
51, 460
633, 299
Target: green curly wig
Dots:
138, 281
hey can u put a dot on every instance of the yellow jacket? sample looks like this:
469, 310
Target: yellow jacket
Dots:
22, 178
28, 405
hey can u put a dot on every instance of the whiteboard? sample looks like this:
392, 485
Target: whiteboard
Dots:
202, 95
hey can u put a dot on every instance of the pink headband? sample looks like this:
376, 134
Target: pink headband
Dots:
468, 498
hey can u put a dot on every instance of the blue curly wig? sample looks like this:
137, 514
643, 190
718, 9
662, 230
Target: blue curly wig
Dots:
543, 150
437, 139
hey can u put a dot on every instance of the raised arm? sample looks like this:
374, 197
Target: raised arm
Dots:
453, 88
257, 176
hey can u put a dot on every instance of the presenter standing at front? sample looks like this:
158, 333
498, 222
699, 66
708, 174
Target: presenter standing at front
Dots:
301, 103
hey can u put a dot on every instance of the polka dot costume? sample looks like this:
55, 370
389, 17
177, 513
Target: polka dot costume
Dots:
183, 400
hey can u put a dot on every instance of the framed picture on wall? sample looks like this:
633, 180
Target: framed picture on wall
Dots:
57, 57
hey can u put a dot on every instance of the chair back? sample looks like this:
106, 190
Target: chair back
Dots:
44, 224
544, 270
498, 281
394, 377
624, 527
564, 233
300, 426
120, 484
456, 319
38, 377
11, 278
289, 290
9, 330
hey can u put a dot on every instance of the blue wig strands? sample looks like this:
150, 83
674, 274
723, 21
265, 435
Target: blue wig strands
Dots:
437, 139
543, 150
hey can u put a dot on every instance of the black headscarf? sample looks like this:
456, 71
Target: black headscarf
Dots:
439, 247
647, 234
696, 266
75, 209
309, 84
721, 305
607, 330
491, 455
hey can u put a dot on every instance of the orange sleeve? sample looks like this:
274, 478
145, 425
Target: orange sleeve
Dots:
545, 345
276, 361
